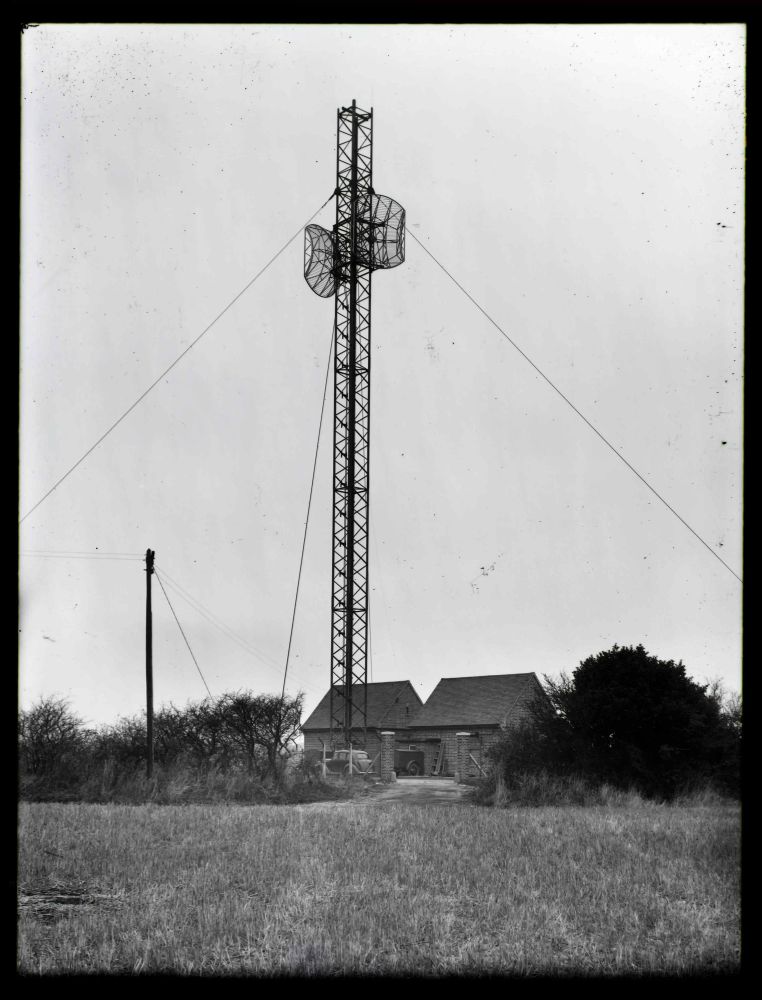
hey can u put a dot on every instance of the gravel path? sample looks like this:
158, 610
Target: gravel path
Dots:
410, 791
421, 792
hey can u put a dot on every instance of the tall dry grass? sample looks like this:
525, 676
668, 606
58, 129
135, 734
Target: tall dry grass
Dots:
363, 888
176, 783
541, 788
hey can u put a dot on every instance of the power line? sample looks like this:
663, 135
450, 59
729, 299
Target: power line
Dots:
219, 624
309, 505
84, 555
183, 633
247, 647
174, 585
569, 403
177, 359
86, 552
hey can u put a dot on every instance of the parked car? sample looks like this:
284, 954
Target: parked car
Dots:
339, 763
408, 762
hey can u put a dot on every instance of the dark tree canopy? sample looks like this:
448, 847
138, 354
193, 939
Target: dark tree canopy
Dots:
632, 720
637, 718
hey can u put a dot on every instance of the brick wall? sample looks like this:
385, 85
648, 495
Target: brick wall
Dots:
386, 759
428, 740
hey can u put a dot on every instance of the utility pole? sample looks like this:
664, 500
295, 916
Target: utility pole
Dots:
369, 235
149, 665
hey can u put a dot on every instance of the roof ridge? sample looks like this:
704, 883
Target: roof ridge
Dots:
371, 684
481, 677
489, 698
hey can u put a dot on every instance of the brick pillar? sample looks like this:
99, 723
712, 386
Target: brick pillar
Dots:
387, 756
461, 756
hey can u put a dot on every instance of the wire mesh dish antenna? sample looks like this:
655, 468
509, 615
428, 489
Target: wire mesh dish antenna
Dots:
319, 263
380, 244
387, 230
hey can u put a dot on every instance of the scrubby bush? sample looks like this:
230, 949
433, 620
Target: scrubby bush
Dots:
233, 749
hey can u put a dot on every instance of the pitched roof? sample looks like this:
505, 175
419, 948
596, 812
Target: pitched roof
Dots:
387, 701
474, 701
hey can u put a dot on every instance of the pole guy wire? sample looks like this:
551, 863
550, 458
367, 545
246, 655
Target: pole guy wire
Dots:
309, 505
265, 660
592, 427
175, 362
218, 623
183, 633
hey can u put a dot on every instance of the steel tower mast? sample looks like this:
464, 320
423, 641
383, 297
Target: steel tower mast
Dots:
369, 234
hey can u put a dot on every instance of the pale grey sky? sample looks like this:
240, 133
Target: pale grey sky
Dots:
584, 183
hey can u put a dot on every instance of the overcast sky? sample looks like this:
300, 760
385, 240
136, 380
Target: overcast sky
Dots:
584, 183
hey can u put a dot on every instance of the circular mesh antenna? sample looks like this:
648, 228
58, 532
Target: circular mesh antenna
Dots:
318, 261
388, 231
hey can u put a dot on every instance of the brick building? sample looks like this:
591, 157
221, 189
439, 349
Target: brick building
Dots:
483, 707
391, 705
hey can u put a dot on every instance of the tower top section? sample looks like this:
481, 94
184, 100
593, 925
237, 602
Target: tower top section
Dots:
369, 229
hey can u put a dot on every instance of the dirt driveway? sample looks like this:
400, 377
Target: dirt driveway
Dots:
421, 792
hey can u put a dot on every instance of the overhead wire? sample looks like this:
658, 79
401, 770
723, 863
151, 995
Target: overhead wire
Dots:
183, 634
566, 399
167, 370
249, 647
175, 586
309, 506
84, 555
215, 619
265, 660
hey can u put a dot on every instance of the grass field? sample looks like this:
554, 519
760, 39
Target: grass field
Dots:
359, 888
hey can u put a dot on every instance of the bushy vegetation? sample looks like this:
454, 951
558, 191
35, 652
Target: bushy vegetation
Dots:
237, 748
378, 889
624, 722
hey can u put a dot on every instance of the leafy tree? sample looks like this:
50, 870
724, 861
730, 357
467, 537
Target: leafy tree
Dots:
630, 719
727, 740
729, 704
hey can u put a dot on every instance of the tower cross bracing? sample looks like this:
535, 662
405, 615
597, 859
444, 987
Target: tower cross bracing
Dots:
368, 235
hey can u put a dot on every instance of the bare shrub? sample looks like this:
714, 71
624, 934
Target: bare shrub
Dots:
234, 748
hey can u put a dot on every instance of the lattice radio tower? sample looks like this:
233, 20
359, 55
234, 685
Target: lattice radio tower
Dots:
369, 234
